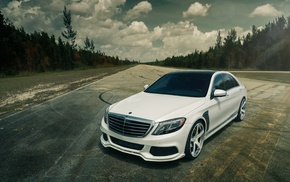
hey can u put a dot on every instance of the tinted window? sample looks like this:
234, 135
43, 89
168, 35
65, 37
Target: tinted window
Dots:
191, 84
218, 83
229, 82
234, 81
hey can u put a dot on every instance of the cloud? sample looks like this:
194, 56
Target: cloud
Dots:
105, 9
130, 42
83, 8
97, 20
140, 9
136, 42
136, 28
184, 37
55, 6
196, 9
31, 17
267, 10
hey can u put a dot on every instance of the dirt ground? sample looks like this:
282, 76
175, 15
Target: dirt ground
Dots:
19, 93
13, 100
23, 97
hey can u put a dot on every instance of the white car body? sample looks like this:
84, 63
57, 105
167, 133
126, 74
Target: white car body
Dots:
215, 110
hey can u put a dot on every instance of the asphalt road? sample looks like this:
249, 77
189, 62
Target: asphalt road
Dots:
59, 140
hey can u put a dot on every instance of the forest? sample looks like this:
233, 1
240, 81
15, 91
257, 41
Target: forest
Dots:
262, 49
39, 52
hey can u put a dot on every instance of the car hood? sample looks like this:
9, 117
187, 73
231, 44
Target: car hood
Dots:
157, 107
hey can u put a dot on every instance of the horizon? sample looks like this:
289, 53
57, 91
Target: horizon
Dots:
130, 29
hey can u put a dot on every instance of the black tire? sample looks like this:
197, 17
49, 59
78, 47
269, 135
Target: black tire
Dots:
195, 140
242, 110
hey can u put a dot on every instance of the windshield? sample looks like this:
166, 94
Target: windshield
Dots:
191, 84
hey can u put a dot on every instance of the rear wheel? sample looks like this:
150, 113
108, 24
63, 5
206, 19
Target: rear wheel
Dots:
195, 140
242, 110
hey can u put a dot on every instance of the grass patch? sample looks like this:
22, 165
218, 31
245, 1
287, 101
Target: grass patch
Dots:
17, 93
282, 77
15, 84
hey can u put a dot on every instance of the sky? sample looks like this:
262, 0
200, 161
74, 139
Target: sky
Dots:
145, 30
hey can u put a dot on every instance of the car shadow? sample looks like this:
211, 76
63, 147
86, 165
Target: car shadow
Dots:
139, 161
128, 158
219, 132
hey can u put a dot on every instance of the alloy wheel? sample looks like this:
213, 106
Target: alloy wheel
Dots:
197, 139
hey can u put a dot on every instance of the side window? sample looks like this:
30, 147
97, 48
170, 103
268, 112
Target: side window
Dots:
229, 82
218, 83
236, 84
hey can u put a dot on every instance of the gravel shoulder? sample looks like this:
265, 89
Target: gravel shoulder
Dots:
19, 93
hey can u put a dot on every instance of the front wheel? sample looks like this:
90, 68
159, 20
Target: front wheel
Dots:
195, 140
242, 110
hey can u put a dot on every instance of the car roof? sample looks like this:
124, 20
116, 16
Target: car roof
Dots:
205, 72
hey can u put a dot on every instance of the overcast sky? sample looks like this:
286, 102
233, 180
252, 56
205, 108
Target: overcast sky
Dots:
146, 30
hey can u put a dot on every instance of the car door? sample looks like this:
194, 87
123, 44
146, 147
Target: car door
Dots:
216, 111
221, 109
233, 95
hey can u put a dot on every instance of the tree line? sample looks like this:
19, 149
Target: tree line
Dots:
262, 49
39, 52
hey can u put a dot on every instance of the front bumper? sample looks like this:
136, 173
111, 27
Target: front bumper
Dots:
159, 148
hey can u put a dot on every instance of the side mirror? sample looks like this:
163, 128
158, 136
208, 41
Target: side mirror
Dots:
145, 87
219, 93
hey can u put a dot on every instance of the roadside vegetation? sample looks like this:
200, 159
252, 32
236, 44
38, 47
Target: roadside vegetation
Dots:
273, 76
38, 52
264, 48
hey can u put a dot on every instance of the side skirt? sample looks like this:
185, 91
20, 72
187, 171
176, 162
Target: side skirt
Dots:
213, 131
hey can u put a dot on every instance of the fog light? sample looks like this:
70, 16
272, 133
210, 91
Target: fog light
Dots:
105, 137
163, 151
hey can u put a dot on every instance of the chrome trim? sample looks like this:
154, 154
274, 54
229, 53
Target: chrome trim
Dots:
129, 126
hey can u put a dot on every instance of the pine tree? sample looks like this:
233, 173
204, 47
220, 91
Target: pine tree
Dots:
69, 33
87, 44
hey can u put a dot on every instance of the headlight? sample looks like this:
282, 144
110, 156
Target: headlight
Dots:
106, 115
169, 126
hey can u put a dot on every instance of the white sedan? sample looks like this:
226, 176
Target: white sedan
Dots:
173, 117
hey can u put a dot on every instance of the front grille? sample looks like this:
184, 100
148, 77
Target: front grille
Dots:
129, 126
